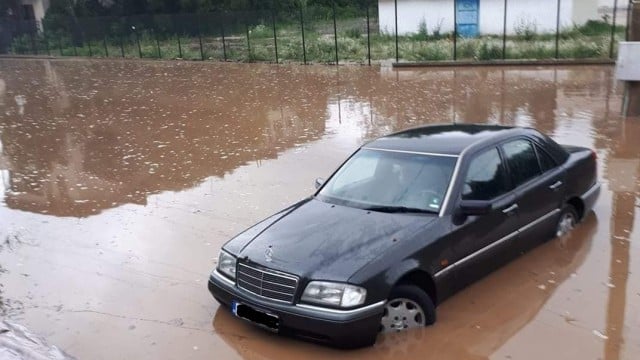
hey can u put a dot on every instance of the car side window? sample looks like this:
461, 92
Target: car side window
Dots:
522, 160
546, 162
485, 178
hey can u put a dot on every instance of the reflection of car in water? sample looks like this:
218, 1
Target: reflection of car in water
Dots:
405, 222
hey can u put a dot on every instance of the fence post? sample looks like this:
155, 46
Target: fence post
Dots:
246, 25
275, 38
335, 29
46, 44
90, 50
368, 37
304, 47
613, 29
137, 41
395, 13
179, 47
75, 49
558, 30
104, 43
157, 43
224, 43
121, 45
504, 32
34, 47
455, 31
200, 38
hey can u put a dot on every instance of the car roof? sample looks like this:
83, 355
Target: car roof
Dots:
449, 139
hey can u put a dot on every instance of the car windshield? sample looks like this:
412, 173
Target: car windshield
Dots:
391, 181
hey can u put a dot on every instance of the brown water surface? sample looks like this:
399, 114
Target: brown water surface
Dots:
120, 180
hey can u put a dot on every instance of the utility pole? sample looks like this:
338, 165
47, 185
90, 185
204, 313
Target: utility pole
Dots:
632, 88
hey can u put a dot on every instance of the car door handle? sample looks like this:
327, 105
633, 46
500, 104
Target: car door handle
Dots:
555, 185
510, 209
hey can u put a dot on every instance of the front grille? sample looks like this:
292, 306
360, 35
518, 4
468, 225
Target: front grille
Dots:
267, 283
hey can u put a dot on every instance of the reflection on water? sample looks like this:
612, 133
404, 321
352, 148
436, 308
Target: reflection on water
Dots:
87, 136
207, 149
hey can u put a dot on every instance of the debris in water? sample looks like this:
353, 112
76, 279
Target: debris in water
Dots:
600, 335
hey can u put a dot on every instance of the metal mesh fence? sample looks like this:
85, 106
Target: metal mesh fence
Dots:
384, 30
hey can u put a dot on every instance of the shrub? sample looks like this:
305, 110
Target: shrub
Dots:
261, 31
580, 49
423, 32
467, 48
594, 27
526, 29
431, 51
353, 33
489, 51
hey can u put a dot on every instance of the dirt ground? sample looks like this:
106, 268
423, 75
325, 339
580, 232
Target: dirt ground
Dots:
120, 181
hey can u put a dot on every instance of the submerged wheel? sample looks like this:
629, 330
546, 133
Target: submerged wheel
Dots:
568, 220
408, 307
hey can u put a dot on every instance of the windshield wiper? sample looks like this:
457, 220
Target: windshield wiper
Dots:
399, 209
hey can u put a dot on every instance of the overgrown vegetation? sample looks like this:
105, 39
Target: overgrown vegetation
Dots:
256, 42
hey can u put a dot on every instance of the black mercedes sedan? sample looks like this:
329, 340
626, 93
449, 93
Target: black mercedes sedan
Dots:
405, 222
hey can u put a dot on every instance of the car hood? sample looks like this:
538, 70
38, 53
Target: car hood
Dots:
323, 241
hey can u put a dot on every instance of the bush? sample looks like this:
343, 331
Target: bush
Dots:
353, 33
489, 51
261, 31
431, 51
467, 48
580, 49
594, 27
526, 29
532, 51
423, 31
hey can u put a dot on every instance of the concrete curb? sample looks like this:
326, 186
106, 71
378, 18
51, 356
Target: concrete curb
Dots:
12, 56
445, 63
515, 62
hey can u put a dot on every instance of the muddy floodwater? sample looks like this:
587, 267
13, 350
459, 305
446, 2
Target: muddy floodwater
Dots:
121, 180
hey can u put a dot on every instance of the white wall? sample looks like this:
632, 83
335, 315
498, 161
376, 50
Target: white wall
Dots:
540, 12
39, 7
584, 10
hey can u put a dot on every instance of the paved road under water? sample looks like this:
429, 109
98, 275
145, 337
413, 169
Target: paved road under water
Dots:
120, 180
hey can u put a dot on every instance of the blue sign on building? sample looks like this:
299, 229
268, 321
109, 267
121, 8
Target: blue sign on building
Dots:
467, 12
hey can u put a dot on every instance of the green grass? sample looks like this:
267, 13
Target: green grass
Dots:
588, 41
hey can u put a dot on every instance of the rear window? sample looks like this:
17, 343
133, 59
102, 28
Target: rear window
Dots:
546, 162
522, 160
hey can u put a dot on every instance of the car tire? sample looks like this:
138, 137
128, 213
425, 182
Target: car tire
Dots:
408, 306
567, 221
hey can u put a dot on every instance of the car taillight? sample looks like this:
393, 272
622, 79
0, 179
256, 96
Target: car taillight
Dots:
594, 155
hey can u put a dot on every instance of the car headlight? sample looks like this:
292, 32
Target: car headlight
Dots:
227, 264
335, 294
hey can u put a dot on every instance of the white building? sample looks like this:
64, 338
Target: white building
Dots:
33, 9
484, 16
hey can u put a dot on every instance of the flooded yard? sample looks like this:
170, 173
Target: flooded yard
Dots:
121, 180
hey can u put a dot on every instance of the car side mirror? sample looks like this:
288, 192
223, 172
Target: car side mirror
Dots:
475, 207
319, 182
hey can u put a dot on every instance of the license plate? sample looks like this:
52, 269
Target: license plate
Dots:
258, 317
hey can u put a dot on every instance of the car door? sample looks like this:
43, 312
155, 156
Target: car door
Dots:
478, 241
539, 189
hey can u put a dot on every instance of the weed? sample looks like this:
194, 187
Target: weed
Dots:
489, 51
526, 28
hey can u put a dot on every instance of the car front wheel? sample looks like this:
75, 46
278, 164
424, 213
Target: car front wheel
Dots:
408, 307
567, 221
